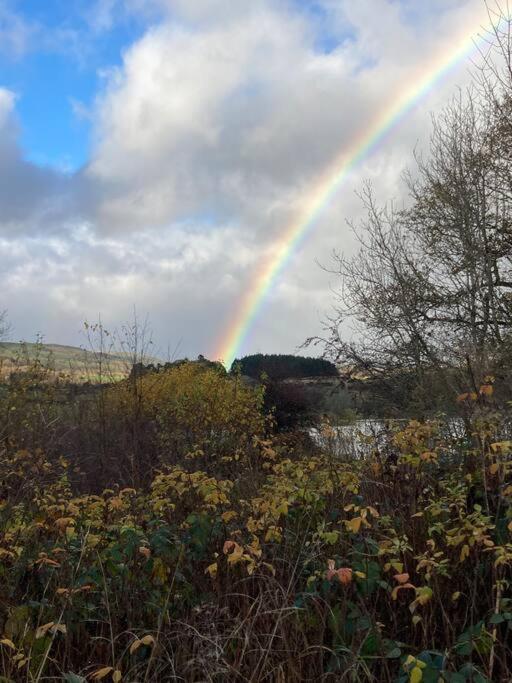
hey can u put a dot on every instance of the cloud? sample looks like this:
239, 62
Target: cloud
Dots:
15, 33
32, 199
208, 139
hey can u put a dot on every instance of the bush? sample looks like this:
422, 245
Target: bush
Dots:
257, 557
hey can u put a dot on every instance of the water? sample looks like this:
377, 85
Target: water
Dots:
357, 439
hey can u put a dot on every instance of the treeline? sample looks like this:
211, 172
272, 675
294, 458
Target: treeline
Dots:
278, 366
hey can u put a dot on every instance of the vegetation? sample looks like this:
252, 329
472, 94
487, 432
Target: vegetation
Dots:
278, 366
181, 524
157, 529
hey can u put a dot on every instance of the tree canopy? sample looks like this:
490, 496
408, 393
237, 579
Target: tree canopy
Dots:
284, 366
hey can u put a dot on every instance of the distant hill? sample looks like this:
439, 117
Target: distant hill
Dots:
284, 366
80, 364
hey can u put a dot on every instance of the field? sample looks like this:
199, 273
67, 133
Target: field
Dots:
79, 364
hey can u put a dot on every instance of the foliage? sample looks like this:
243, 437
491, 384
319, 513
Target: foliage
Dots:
281, 366
122, 433
246, 555
140, 368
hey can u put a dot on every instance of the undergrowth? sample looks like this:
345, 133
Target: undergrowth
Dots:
158, 530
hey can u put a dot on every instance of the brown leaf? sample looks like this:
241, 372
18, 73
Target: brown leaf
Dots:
135, 645
101, 673
43, 630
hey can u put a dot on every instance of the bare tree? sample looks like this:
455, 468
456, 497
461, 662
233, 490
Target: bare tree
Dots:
429, 292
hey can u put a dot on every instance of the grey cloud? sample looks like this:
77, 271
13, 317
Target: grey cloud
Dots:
31, 198
209, 139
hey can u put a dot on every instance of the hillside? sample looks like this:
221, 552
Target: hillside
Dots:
79, 363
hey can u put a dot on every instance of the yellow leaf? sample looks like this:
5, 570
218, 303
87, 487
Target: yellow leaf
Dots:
135, 646
283, 508
493, 469
117, 676
501, 446
415, 675
228, 516
394, 592
42, 630
8, 643
455, 596
464, 552
101, 673
270, 567
236, 555
354, 524
274, 534
211, 569
423, 595
64, 522
59, 627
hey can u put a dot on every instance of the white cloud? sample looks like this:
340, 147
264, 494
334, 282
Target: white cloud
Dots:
208, 140
7, 100
15, 33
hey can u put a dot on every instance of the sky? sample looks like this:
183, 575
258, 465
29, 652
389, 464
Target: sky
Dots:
152, 152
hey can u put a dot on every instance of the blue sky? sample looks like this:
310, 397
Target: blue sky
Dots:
152, 151
59, 72
61, 66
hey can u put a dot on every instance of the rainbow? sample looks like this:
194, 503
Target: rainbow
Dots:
329, 183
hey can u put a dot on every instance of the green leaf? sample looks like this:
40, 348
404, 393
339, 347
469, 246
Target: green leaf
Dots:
394, 653
454, 677
464, 647
370, 646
